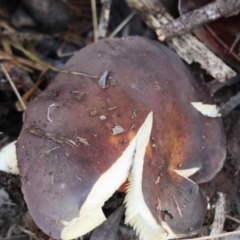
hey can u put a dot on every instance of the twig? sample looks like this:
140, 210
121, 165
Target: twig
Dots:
122, 24
198, 17
13, 86
235, 42
187, 46
215, 85
219, 218
230, 105
94, 17
29, 233
104, 18
215, 236
233, 219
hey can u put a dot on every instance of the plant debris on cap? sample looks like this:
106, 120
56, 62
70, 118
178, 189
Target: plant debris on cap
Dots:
170, 149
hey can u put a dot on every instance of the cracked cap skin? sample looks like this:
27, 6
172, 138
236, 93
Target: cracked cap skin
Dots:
70, 161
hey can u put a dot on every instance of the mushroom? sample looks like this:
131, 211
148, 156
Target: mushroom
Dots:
71, 161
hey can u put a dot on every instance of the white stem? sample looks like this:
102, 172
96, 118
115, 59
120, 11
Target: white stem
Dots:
8, 159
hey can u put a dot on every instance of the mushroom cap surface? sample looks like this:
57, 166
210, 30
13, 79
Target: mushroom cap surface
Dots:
82, 134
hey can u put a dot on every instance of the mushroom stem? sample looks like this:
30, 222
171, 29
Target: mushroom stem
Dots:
8, 159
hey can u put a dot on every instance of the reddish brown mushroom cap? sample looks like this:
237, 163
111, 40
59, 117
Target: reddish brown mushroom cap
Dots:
80, 139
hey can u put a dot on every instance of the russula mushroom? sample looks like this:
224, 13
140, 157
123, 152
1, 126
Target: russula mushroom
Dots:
71, 159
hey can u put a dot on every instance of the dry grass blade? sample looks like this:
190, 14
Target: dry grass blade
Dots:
215, 236
72, 72
6, 46
20, 237
29, 233
30, 92
31, 55
13, 86
47, 65
21, 62
7, 27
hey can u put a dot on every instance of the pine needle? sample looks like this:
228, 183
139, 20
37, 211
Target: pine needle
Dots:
47, 65
122, 24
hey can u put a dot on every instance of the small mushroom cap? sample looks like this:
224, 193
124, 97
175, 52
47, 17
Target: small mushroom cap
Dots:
71, 160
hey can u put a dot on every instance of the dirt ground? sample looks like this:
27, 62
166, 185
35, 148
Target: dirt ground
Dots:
25, 26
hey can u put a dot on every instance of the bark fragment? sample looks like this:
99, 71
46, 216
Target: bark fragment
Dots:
187, 46
198, 17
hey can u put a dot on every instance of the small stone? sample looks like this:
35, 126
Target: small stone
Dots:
102, 118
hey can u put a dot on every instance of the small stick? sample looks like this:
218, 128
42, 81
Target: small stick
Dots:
219, 218
198, 17
13, 86
122, 24
215, 85
94, 17
233, 219
104, 18
187, 46
230, 105
235, 43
